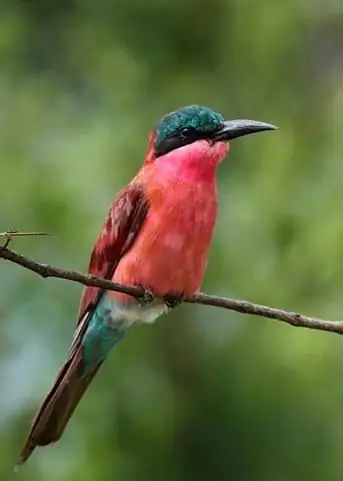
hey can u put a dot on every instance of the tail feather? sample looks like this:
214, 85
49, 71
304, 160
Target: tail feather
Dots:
59, 405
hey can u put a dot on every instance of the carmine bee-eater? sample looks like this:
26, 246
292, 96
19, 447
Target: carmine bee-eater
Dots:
157, 235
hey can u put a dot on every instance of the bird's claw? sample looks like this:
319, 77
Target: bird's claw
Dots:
173, 299
146, 298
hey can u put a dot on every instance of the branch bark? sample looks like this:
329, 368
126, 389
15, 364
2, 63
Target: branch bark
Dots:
244, 307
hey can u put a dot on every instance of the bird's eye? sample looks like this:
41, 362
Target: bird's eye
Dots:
187, 133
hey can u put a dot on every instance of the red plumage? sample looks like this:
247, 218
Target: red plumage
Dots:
157, 234
122, 225
119, 231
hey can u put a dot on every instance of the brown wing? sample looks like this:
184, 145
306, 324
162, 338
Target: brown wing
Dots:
119, 232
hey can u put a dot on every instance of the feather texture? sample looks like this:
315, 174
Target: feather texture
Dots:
157, 234
119, 232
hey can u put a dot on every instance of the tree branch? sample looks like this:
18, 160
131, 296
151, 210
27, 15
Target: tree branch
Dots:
241, 306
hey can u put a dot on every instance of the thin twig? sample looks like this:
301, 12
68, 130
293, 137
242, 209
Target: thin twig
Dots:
8, 235
241, 306
15, 233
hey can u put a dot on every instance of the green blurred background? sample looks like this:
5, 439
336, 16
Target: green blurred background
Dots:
204, 394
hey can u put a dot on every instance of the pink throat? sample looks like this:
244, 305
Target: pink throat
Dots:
194, 162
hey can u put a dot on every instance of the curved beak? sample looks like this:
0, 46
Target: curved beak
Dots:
232, 129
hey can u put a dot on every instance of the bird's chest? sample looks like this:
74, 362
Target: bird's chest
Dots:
170, 253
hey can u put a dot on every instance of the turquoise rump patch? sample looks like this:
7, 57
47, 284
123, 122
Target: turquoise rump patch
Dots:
103, 332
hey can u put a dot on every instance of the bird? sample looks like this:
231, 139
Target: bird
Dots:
157, 236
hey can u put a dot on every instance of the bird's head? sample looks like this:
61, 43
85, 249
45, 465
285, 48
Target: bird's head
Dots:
197, 134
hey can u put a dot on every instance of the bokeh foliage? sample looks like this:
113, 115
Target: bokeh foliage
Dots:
203, 394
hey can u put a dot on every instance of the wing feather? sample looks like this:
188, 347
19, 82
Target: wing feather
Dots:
121, 227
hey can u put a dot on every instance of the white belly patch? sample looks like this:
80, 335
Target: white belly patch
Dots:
137, 314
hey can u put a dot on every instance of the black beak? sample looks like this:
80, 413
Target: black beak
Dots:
231, 129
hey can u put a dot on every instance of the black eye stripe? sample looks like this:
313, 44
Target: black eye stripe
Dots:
188, 132
184, 136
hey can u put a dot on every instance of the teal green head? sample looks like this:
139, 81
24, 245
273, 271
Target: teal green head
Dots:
193, 123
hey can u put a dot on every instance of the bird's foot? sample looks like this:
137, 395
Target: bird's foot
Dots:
146, 298
173, 299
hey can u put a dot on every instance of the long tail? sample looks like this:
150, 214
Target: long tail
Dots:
59, 405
